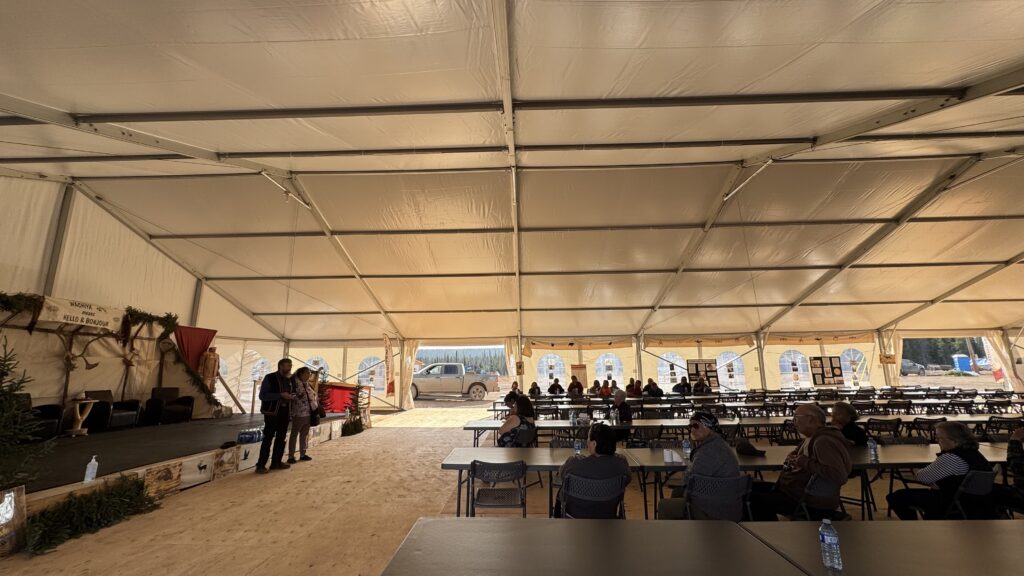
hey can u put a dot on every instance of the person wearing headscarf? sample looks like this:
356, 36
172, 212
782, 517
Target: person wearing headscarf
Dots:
711, 457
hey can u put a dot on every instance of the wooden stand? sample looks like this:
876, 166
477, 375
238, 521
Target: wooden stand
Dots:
80, 411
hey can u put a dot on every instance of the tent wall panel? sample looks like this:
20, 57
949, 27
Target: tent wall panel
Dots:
603, 250
910, 148
27, 225
591, 290
822, 318
457, 324
299, 295
467, 293
709, 320
951, 242
723, 288
611, 322
218, 314
985, 115
1008, 283
780, 245
894, 284
242, 257
106, 263
329, 327
432, 254
965, 315
995, 195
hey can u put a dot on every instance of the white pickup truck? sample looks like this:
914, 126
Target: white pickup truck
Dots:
452, 379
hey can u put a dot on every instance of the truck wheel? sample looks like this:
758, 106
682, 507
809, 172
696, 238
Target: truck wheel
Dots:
415, 392
477, 392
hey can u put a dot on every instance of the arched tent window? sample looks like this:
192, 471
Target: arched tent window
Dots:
671, 369
855, 367
731, 373
608, 367
318, 363
371, 373
549, 367
260, 369
794, 368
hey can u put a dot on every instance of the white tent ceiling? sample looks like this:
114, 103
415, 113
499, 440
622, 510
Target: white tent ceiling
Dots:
555, 168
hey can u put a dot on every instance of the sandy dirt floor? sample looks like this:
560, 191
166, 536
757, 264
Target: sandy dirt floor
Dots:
345, 513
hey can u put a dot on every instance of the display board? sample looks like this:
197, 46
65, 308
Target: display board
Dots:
707, 369
580, 372
826, 371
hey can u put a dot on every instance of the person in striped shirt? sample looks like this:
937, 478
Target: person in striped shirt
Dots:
958, 455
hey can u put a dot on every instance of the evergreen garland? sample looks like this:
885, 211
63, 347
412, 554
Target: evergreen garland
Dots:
21, 302
19, 452
83, 514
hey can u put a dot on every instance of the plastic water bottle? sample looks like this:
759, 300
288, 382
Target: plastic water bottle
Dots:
829, 539
90, 470
872, 450
577, 445
572, 418
687, 450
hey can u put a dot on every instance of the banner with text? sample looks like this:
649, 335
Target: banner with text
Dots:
81, 313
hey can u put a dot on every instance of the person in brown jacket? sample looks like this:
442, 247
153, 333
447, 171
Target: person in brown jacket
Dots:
823, 454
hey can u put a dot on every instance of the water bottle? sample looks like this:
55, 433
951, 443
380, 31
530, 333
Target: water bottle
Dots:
577, 445
687, 450
872, 450
90, 470
572, 419
829, 539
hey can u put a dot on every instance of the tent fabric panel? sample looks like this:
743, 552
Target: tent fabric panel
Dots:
246, 55
908, 148
603, 250
852, 317
724, 288
619, 197
27, 224
328, 327
997, 194
466, 293
988, 114
780, 245
538, 346
385, 162
219, 257
582, 323
229, 204
709, 320
825, 338
34, 140
413, 201
832, 191
669, 341
591, 290
216, 313
299, 295
894, 284
951, 242
432, 253
692, 123
133, 168
452, 325
599, 158
335, 133
965, 315
106, 263
1004, 284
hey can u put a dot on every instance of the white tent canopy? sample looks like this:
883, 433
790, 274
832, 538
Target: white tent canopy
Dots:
535, 168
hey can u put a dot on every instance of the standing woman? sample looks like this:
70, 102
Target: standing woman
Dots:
304, 401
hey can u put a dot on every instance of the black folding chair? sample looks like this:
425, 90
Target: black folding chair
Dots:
605, 497
491, 496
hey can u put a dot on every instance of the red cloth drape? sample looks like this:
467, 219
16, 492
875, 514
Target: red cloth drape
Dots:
192, 342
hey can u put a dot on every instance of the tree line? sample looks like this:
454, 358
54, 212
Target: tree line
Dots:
939, 350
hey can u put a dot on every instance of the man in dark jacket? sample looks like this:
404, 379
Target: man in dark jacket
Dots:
556, 388
823, 454
275, 392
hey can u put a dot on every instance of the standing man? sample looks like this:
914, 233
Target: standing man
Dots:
275, 392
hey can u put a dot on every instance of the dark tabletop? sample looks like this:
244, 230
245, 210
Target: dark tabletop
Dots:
546, 547
546, 459
935, 548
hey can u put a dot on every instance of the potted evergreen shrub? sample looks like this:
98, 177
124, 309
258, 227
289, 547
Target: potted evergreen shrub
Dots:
20, 451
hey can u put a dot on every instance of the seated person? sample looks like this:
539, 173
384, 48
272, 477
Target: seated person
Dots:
510, 398
712, 456
522, 418
633, 390
615, 385
596, 388
556, 388
844, 418
1013, 496
701, 388
535, 391
606, 390
600, 462
823, 453
575, 389
958, 455
625, 413
652, 389
683, 388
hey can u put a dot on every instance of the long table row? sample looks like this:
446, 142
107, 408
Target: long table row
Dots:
514, 546
481, 427
653, 461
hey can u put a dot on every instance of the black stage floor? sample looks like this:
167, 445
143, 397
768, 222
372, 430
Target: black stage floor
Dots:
119, 450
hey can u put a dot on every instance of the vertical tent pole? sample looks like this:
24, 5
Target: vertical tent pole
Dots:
637, 343
197, 299
883, 350
760, 341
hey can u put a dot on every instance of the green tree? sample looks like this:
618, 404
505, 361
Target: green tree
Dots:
19, 450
